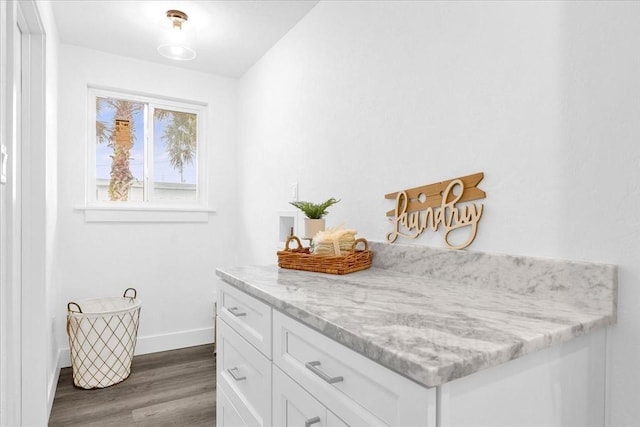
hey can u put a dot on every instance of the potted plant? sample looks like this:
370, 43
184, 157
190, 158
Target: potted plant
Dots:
314, 212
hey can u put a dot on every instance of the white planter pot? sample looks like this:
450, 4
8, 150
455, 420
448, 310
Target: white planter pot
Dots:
312, 227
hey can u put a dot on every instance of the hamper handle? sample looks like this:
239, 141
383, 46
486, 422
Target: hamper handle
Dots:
360, 240
135, 293
289, 239
79, 310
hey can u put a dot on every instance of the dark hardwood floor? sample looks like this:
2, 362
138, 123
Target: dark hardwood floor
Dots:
171, 388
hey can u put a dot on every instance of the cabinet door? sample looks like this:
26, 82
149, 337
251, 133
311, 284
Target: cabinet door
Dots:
560, 386
245, 374
293, 406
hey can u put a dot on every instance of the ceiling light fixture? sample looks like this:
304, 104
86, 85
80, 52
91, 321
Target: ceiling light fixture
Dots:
176, 46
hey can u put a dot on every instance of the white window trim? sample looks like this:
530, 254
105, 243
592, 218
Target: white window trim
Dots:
142, 213
179, 211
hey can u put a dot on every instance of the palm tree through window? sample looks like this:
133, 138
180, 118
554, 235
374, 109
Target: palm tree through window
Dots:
146, 151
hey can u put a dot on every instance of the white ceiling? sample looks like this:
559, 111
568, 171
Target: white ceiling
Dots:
229, 36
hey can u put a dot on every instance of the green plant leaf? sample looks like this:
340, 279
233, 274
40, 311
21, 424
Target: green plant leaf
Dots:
314, 210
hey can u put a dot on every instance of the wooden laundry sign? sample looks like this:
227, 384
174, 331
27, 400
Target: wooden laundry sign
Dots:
434, 205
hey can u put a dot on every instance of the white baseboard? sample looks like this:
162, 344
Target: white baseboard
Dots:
53, 382
182, 339
154, 344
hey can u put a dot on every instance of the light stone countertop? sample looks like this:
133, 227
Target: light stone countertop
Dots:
435, 315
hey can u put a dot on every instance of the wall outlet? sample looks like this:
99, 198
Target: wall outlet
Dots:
286, 228
293, 191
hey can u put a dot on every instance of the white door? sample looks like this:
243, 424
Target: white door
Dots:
3, 216
10, 242
23, 334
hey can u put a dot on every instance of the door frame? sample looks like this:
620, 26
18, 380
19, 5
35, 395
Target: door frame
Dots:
35, 326
23, 310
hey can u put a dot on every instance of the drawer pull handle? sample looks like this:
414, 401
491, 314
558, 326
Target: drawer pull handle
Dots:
311, 421
235, 312
312, 367
234, 374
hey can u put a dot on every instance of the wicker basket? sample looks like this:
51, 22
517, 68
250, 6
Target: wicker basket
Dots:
301, 259
102, 339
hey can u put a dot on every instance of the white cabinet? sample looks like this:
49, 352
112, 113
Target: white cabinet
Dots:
313, 380
243, 366
561, 386
226, 413
358, 390
248, 316
293, 406
273, 370
245, 375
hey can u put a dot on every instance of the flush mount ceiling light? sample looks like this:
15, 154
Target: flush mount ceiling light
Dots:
176, 45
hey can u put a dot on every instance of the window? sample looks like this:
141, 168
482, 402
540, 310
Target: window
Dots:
145, 152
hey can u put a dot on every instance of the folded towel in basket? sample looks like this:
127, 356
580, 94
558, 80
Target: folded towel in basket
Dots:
333, 241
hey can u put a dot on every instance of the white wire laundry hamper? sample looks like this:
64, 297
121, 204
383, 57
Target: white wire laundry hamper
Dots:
102, 339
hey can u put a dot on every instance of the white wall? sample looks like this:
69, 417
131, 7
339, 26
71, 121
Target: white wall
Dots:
365, 98
170, 264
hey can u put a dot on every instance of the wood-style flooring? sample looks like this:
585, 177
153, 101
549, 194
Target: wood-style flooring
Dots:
171, 388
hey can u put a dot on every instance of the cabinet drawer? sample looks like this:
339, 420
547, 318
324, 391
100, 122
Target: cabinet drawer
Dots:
355, 388
294, 407
226, 414
248, 316
245, 374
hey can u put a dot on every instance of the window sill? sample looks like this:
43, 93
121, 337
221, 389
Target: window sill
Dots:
139, 213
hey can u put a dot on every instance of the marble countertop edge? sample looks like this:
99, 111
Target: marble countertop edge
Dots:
445, 372
434, 315
429, 376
